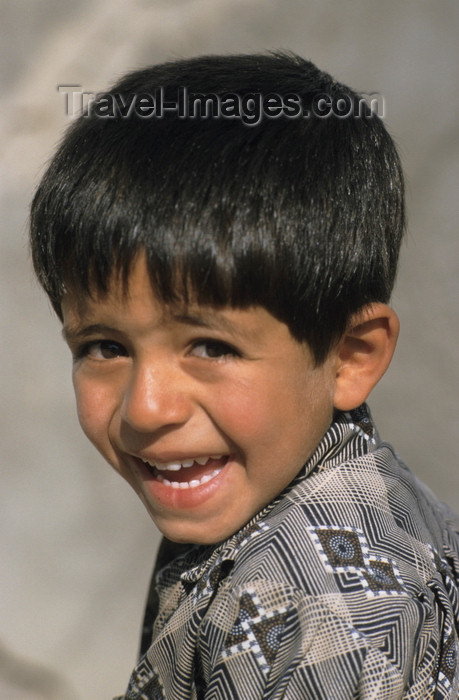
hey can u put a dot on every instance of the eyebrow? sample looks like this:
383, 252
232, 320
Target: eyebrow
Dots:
73, 333
211, 321
217, 321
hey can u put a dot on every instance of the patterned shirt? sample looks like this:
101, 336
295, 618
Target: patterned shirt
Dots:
345, 587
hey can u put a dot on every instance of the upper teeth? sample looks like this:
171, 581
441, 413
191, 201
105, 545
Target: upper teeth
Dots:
176, 466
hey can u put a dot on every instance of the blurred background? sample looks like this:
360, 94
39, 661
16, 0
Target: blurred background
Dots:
76, 548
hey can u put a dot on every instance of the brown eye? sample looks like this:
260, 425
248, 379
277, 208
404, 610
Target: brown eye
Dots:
213, 349
106, 350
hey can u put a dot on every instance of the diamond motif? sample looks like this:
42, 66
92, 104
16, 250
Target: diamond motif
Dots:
345, 551
256, 630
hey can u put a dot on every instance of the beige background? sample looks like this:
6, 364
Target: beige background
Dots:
76, 547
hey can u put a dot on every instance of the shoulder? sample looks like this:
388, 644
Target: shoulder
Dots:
343, 518
318, 591
359, 534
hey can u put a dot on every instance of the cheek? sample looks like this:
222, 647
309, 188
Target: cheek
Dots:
92, 410
251, 414
291, 412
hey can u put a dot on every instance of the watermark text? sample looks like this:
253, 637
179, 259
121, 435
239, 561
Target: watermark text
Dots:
250, 108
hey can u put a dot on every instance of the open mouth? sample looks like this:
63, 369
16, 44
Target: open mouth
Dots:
189, 473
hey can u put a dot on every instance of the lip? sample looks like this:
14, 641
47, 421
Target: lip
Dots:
170, 497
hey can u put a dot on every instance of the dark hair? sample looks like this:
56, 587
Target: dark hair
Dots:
301, 215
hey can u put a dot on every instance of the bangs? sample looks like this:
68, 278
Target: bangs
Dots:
217, 233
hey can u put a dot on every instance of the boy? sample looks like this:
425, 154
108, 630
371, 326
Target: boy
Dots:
223, 278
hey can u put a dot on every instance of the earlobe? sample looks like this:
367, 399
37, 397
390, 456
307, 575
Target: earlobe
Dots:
364, 353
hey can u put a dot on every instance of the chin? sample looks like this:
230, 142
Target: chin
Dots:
187, 533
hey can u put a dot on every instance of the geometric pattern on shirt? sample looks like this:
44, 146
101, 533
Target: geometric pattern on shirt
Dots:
346, 551
443, 567
145, 680
361, 419
448, 652
248, 533
256, 630
208, 583
448, 662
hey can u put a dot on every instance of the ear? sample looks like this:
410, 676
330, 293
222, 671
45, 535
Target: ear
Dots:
364, 353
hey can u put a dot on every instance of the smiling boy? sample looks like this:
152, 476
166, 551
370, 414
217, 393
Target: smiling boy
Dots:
223, 289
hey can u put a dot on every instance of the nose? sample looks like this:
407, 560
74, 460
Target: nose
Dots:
155, 397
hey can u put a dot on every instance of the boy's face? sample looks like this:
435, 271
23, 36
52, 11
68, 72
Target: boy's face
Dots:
207, 413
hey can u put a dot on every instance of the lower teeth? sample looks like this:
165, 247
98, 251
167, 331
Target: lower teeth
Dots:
187, 484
